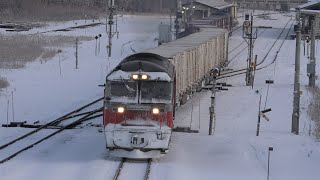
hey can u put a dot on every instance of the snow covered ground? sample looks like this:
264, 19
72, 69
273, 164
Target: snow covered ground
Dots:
233, 152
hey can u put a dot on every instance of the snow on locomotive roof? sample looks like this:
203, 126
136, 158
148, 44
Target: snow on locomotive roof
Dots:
175, 47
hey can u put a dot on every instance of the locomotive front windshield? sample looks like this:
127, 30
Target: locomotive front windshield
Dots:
156, 92
143, 92
122, 91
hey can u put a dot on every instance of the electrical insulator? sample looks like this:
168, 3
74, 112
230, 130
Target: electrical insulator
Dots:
246, 17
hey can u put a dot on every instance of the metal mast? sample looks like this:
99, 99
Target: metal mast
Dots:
249, 35
111, 24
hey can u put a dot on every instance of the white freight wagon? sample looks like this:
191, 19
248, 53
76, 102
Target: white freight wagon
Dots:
193, 57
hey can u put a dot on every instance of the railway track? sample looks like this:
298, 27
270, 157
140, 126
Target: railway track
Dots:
263, 14
257, 18
69, 116
241, 49
244, 48
239, 27
125, 161
264, 56
243, 70
70, 28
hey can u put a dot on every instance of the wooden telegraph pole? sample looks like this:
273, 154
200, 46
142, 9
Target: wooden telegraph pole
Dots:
311, 67
296, 92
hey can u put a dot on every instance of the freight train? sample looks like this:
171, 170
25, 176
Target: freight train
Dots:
143, 91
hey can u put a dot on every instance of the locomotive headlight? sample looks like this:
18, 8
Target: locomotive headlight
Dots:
144, 77
135, 76
155, 111
120, 109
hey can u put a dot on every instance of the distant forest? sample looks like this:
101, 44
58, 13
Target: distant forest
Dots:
69, 9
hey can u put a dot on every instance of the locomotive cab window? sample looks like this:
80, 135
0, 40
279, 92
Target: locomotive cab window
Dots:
156, 92
119, 91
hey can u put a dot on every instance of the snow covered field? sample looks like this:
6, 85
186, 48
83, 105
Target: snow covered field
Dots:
233, 152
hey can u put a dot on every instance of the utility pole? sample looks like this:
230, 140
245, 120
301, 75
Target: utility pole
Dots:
311, 67
250, 53
213, 75
249, 35
211, 108
259, 117
269, 150
296, 92
110, 24
254, 68
179, 15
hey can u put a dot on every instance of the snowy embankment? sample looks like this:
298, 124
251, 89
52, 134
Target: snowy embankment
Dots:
233, 152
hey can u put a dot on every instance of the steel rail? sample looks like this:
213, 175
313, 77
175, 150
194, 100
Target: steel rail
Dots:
146, 177
242, 49
265, 57
71, 125
117, 174
273, 61
120, 168
237, 28
49, 124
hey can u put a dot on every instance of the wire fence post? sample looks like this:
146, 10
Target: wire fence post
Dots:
12, 107
59, 51
77, 42
191, 114
96, 48
199, 112
8, 112
99, 43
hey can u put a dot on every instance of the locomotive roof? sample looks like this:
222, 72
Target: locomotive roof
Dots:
147, 62
169, 50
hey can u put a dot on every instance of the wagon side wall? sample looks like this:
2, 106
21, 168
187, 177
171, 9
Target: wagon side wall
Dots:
193, 65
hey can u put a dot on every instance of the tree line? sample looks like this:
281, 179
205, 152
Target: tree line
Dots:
73, 9
126, 5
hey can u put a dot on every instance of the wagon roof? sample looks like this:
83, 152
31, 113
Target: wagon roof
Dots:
173, 48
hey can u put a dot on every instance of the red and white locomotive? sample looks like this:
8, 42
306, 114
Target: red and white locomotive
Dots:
142, 92
139, 106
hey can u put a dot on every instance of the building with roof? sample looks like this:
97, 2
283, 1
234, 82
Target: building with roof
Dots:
309, 13
214, 12
283, 5
206, 8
